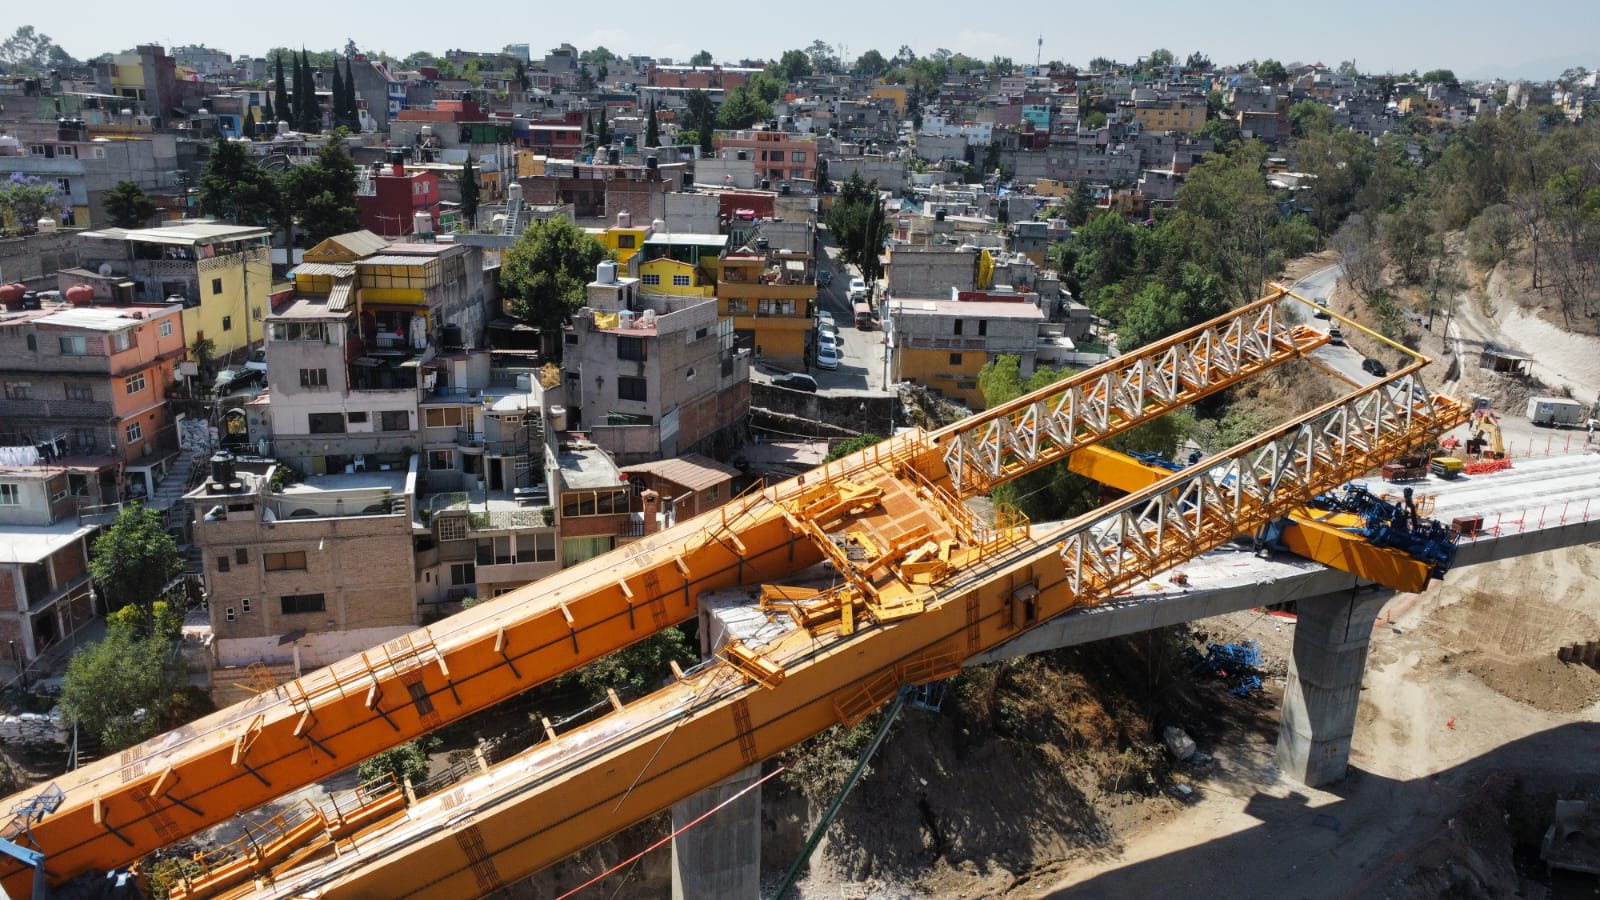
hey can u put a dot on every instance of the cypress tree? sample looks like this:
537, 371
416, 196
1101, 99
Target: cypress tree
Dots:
352, 110
269, 117
469, 194
297, 115
280, 93
652, 130
313, 105
338, 95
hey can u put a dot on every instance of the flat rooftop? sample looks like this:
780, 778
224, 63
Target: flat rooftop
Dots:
35, 543
394, 480
587, 467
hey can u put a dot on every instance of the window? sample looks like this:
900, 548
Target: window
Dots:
222, 563
33, 342
74, 346
313, 378
983, 327
79, 392
462, 574
241, 556
313, 331
293, 604
133, 384
799, 156
681, 281
539, 546
292, 560
625, 241
227, 323
441, 460
650, 280
134, 433
216, 288
738, 308
229, 613
955, 359
165, 330
16, 390
395, 420
632, 348
442, 417
452, 528
700, 333
244, 604
715, 492
630, 388
357, 418
326, 423
594, 503
122, 340
10, 494
958, 326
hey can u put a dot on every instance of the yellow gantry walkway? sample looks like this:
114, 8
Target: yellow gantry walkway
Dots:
927, 586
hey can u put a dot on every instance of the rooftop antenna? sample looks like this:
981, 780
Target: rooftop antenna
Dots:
1038, 53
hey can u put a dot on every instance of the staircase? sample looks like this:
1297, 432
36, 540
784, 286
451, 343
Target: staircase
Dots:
181, 478
513, 214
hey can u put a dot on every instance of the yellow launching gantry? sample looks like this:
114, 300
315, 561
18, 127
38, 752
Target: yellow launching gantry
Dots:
926, 584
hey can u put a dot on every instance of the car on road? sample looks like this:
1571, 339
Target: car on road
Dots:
824, 277
796, 381
858, 290
257, 360
232, 381
825, 318
1335, 336
829, 339
1322, 308
1374, 368
827, 356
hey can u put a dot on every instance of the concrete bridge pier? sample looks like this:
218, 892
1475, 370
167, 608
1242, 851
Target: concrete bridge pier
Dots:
721, 856
1320, 700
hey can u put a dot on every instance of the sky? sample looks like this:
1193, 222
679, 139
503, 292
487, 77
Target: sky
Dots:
1475, 38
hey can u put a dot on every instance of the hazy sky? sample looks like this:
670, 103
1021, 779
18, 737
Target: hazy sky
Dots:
1476, 38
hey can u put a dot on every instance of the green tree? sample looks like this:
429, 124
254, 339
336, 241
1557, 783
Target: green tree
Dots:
701, 113
1197, 62
234, 189
128, 205
1080, 203
126, 687
322, 193
1406, 235
859, 226
768, 84
546, 272
703, 58
851, 445
25, 199
30, 51
871, 64
280, 94
1492, 236
469, 194
1309, 116
741, 109
338, 97
652, 128
409, 760
313, 106
794, 64
1159, 58
1271, 71
1443, 77
133, 562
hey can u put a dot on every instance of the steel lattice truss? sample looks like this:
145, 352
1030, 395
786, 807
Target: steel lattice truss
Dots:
1042, 428
1242, 489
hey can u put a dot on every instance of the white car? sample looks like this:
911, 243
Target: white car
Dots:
828, 330
825, 318
831, 341
827, 356
858, 290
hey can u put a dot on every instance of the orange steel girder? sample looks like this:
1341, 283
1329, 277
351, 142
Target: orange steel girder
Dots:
123, 807
549, 802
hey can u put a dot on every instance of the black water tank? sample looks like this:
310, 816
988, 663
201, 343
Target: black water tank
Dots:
938, 216
784, 189
766, 184
614, 156
688, 180
650, 162
222, 467
740, 155
451, 336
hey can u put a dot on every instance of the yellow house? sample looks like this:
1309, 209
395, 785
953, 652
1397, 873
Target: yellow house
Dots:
769, 295
669, 276
220, 272
1186, 116
944, 344
622, 240
1050, 187
895, 92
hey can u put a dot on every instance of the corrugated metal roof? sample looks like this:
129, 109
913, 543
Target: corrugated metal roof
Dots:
337, 270
339, 297
390, 259
361, 243
187, 234
694, 471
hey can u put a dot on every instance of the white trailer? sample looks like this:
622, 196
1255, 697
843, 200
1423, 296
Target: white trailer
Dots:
1553, 412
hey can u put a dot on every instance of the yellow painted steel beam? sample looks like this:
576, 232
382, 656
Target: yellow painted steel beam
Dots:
549, 802
1313, 534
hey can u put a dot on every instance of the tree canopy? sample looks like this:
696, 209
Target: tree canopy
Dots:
794, 64
469, 193
703, 58
546, 272
133, 562
30, 51
25, 199
130, 685
859, 226
323, 192
128, 205
233, 188
741, 109
1271, 71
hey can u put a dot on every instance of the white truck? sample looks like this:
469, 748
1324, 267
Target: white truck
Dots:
1554, 412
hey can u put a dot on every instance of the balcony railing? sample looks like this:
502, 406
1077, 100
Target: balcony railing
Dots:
466, 438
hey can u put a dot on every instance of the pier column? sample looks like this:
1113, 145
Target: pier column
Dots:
1324, 689
721, 856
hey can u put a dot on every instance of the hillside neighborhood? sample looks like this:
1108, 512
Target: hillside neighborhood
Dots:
361, 342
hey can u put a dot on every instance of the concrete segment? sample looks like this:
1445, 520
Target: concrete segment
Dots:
720, 856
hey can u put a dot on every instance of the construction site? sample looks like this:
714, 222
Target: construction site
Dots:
852, 596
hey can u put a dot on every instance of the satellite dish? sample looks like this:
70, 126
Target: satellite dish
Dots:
105, 270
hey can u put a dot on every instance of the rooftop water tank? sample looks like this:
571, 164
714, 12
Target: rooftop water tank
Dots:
514, 191
422, 222
558, 419
80, 295
605, 272
624, 219
222, 471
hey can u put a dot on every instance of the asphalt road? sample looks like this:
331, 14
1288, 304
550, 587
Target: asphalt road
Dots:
1342, 362
861, 366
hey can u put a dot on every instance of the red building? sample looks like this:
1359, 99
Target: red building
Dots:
389, 197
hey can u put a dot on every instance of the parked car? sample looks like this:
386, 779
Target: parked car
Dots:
257, 360
1374, 368
796, 381
824, 318
827, 356
830, 338
231, 381
1335, 336
858, 290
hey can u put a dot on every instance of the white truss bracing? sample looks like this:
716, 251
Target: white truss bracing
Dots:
1243, 489
1117, 395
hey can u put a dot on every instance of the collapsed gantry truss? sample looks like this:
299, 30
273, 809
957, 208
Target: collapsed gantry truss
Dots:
926, 587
